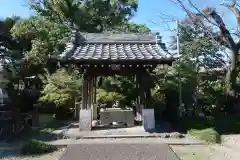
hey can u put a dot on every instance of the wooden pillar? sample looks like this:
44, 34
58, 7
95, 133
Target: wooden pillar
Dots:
148, 98
146, 90
148, 112
77, 109
139, 102
137, 98
95, 90
89, 99
94, 105
85, 114
142, 92
84, 92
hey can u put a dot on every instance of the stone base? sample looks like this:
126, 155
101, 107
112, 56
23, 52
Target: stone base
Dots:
148, 119
118, 115
85, 120
94, 112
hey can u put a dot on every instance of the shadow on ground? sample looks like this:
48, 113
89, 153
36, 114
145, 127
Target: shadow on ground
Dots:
223, 125
11, 154
43, 133
46, 133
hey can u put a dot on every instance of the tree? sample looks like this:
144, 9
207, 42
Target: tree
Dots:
11, 48
130, 28
199, 48
197, 51
224, 37
89, 16
7, 43
47, 38
49, 30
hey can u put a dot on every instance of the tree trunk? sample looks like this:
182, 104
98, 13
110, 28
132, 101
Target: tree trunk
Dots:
232, 74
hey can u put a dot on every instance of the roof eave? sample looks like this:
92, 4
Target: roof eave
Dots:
168, 61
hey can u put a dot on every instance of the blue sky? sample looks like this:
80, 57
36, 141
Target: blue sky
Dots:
150, 12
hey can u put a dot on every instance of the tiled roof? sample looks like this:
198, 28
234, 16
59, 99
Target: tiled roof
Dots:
106, 46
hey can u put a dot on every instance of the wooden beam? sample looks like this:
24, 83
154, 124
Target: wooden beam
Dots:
167, 61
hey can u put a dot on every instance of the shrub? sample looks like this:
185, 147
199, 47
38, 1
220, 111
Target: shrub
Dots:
209, 135
103, 96
37, 147
60, 88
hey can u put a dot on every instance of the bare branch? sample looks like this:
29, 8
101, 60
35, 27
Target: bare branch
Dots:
168, 17
234, 9
209, 13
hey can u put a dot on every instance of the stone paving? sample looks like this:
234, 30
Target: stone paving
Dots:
117, 132
74, 136
119, 152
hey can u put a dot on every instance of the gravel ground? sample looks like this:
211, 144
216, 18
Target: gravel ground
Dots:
14, 155
199, 152
119, 152
228, 150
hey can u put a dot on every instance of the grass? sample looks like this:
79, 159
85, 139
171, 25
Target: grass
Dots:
209, 135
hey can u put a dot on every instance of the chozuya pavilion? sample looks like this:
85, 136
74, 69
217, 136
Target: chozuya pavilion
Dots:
106, 54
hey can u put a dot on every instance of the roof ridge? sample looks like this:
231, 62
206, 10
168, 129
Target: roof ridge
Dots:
78, 37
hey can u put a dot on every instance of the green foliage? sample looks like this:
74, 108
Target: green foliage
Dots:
90, 16
130, 28
11, 50
37, 147
158, 96
47, 37
61, 87
212, 96
198, 94
120, 84
103, 96
209, 135
47, 32
43, 38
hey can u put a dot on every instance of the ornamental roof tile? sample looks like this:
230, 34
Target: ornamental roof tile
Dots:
107, 46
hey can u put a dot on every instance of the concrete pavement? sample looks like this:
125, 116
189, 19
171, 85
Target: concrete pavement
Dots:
118, 151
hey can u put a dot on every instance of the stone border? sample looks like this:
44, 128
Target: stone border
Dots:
66, 142
153, 135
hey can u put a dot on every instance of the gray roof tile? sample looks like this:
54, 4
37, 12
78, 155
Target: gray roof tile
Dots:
105, 46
